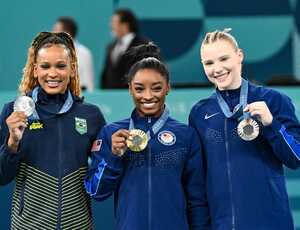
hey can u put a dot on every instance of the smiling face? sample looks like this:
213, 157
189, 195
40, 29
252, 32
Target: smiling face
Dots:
149, 89
222, 64
53, 69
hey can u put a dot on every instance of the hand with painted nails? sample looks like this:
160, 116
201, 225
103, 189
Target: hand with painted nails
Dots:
118, 142
16, 123
260, 110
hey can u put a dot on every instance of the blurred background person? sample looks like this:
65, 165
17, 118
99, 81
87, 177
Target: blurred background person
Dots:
124, 26
84, 55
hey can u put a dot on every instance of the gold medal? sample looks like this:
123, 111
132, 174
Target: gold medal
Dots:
248, 129
24, 104
137, 140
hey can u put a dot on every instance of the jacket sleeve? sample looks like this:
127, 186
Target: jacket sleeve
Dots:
284, 133
195, 186
105, 170
9, 162
99, 122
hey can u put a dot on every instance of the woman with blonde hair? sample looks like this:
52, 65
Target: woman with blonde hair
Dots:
248, 133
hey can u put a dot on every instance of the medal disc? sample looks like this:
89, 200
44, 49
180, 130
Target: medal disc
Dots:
24, 104
248, 129
137, 141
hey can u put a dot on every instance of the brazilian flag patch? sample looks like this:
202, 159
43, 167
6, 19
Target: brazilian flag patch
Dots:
80, 125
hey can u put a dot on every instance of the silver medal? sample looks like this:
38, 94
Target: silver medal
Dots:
24, 104
248, 129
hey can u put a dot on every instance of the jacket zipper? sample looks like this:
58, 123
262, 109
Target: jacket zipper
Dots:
149, 179
229, 176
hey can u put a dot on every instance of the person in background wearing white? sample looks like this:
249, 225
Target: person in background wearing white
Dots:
84, 55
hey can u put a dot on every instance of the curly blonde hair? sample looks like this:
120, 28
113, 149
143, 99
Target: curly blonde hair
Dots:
42, 40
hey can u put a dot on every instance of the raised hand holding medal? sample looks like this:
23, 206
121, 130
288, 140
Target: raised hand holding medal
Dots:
118, 142
248, 128
260, 110
17, 121
24, 104
136, 140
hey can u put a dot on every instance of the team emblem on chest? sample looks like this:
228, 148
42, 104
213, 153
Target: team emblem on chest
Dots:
80, 125
167, 138
36, 125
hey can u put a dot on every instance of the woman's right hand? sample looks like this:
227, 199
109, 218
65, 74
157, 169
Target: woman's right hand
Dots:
16, 123
118, 142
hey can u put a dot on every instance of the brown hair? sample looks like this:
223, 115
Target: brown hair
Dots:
47, 39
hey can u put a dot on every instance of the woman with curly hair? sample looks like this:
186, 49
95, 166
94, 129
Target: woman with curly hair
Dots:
46, 152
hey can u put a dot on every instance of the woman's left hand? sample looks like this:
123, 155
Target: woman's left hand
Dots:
261, 111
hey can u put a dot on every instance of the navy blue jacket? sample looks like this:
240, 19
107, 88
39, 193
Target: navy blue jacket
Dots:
245, 179
161, 187
50, 165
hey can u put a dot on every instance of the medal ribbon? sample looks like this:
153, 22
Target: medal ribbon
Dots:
66, 106
238, 109
157, 125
